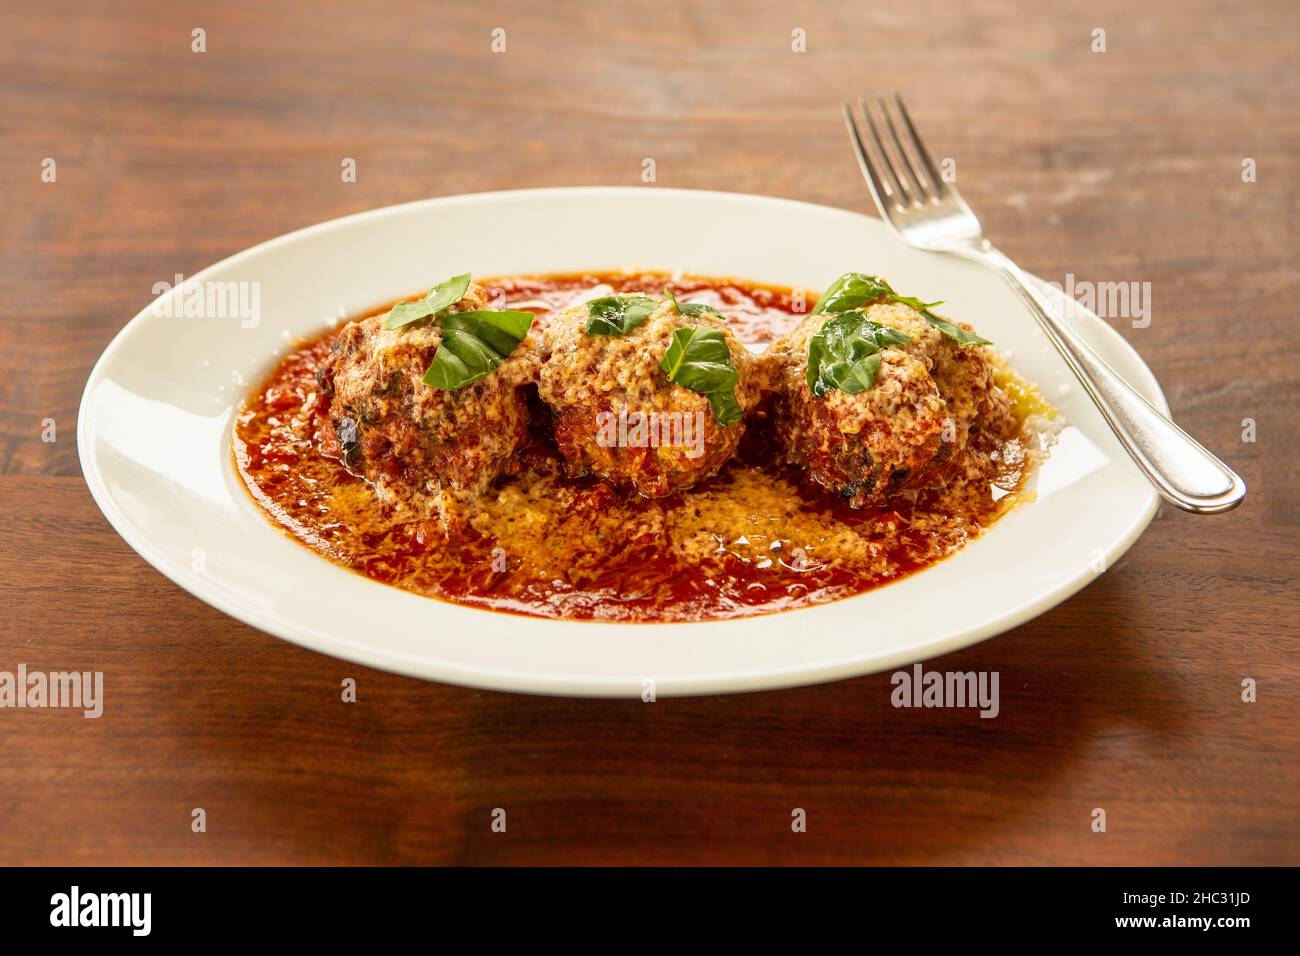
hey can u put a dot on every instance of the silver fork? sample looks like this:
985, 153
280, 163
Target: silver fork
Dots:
930, 214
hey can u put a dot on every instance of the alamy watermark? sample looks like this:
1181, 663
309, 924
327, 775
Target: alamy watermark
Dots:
209, 300
918, 688
1109, 300
75, 908
624, 429
78, 690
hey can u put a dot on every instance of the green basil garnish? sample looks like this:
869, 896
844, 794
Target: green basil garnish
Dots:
441, 296
726, 410
699, 359
845, 353
692, 309
955, 332
854, 290
618, 314
474, 344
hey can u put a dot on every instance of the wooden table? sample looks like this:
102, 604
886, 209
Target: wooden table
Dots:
1117, 166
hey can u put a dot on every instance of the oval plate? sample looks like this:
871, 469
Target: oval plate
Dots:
155, 427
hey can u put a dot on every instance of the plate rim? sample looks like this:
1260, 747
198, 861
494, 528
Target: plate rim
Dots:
314, 638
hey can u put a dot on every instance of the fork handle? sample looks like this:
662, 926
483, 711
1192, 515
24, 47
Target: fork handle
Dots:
1183, 471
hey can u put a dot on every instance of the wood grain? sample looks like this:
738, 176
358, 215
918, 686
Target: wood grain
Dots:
1115, 166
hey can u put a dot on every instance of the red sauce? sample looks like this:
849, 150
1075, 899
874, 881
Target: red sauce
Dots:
752, 540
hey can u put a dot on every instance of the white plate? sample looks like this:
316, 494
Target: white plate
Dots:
155, 426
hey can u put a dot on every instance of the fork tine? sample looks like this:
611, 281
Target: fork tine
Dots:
880, 191
918, 146
905, 161
904, 198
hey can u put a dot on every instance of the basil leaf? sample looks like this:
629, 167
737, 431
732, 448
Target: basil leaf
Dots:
698, 359
913, 302
955, 332
853, 290
726, 410
473, 344
405, 313
441, 296
844, 353
618, 314
692, 309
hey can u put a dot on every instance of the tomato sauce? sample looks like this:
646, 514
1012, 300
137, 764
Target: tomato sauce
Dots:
754, 539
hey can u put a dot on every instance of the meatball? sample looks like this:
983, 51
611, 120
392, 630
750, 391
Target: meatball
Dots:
387, 425
618, 416
906, 431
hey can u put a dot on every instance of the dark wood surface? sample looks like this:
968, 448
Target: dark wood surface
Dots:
1116, 166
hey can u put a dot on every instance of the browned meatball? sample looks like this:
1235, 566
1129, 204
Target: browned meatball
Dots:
913, 423
391, 427
618, 416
